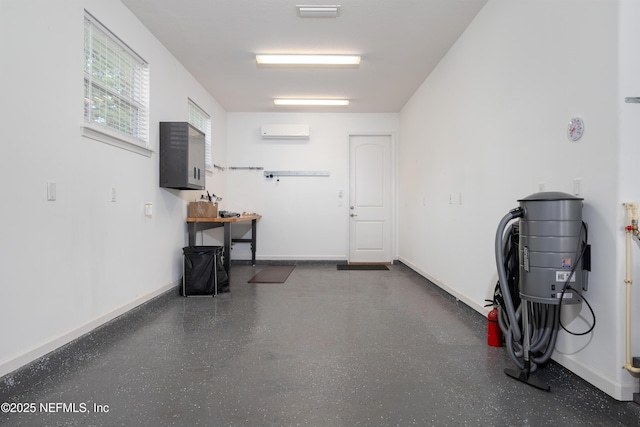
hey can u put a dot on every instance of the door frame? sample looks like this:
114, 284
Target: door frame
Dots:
394, 204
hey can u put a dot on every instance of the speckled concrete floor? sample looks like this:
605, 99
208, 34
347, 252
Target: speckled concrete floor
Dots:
326, 348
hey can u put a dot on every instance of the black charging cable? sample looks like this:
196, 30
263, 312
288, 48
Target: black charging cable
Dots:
567, 286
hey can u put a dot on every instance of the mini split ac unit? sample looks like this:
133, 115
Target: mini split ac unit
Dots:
285, 131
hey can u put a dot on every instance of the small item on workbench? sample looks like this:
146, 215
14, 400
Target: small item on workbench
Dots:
228, 214
209, 197
203, 209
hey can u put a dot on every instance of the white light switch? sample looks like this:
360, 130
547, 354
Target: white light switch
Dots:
51, 191
577, 186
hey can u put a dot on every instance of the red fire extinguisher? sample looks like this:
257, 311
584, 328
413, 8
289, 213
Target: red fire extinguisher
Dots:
494, 334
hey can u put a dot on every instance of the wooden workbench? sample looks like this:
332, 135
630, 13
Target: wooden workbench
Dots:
199, 224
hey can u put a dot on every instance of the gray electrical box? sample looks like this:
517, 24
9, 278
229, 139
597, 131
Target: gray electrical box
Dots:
181, 156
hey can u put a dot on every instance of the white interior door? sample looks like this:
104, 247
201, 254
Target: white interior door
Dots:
370, 172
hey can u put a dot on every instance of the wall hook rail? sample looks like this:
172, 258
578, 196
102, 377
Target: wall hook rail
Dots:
277, 174
246, 168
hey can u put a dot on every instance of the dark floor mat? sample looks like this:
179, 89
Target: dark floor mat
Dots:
362, 267
273, 274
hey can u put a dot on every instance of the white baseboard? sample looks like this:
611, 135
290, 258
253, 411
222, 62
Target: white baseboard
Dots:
10, 365
617, 390
296, 258
479, 308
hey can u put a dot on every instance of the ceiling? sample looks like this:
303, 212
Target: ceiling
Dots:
400, 41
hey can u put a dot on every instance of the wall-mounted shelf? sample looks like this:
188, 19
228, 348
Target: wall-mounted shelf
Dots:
276, 174
258, 168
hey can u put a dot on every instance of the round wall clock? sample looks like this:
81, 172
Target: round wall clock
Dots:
575, 129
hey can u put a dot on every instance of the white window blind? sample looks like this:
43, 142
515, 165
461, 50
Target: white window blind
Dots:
202, 121
116, 86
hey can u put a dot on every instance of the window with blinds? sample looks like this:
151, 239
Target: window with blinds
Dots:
116, 86
202, 121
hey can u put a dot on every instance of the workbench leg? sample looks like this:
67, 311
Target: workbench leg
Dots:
192, 231
227, 248
253, 242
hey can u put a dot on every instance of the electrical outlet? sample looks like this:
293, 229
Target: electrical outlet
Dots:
114, 194
460, 198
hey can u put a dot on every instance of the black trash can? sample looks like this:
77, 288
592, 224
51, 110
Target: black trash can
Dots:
203, 272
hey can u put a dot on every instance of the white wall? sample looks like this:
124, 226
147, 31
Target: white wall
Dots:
302, 219
490, 123
69, 265
628, 169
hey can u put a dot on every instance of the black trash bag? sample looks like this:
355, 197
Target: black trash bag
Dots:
202, 265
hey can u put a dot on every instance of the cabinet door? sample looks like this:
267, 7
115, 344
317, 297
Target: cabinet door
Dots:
196, 171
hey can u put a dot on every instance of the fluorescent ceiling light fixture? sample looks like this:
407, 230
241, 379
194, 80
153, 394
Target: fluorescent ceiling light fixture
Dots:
292, 101
318, 11
308, 59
